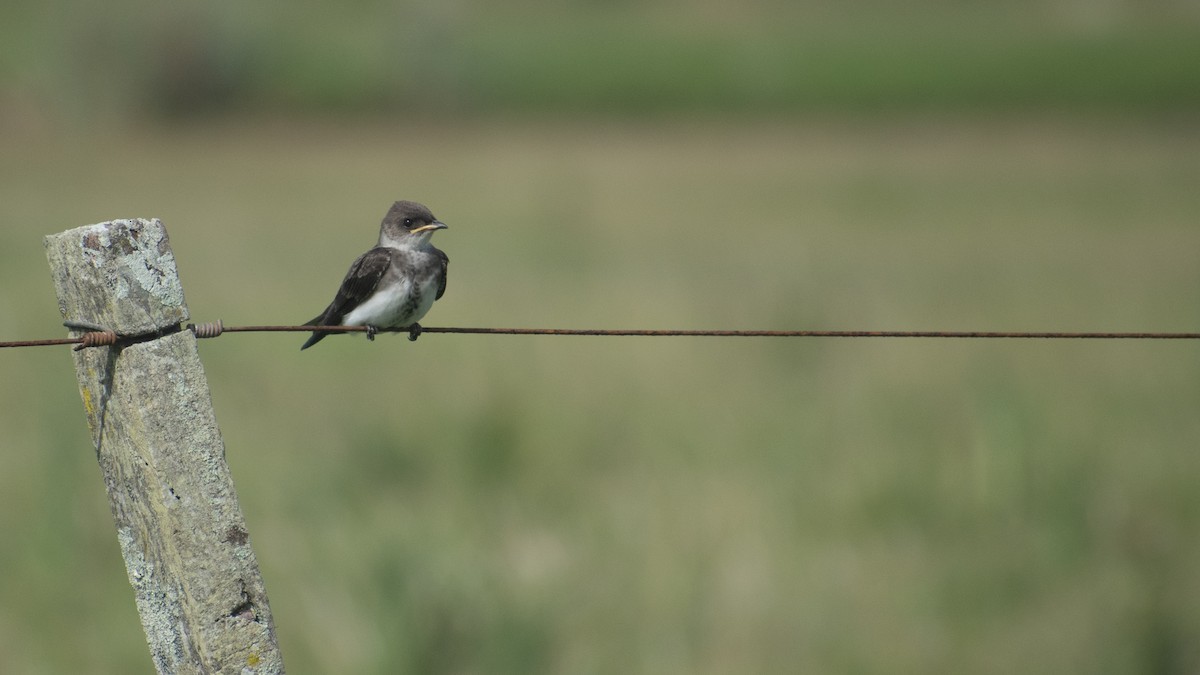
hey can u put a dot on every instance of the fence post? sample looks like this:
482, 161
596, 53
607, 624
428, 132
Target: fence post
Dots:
187, 552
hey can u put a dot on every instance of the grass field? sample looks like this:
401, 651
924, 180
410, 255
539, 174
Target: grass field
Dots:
589, 505
132, 58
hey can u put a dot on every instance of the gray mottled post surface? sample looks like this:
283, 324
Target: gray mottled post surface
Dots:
187, 552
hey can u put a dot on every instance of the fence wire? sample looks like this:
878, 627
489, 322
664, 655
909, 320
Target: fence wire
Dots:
101, 338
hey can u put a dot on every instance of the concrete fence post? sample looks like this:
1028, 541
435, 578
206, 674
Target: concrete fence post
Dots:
187, 551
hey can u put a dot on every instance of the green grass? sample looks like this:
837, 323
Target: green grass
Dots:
864, 69
130, 59
587, 505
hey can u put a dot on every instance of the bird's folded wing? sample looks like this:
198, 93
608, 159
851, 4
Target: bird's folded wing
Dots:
361, 281
445, 260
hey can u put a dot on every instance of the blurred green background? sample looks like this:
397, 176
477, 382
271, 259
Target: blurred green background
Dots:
474, 504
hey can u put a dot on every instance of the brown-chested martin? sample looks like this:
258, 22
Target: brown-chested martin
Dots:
394, 284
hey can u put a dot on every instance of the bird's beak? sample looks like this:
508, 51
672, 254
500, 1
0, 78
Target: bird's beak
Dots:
435, 225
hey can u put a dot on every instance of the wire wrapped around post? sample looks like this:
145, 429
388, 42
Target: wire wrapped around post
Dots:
97, 338
207, 330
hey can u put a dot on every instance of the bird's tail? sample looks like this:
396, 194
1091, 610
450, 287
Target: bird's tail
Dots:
317, 335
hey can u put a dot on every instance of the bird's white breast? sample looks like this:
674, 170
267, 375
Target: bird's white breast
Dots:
384, 306
399, 300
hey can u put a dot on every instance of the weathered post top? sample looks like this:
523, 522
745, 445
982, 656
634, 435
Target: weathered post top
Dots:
187, 551
120, 275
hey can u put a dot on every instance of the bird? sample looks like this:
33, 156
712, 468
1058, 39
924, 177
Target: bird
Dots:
394, 284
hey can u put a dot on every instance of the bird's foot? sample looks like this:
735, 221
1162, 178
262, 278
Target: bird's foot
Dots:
371, 332
414, 332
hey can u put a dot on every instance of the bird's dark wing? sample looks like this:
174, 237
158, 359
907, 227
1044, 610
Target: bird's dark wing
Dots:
442, 277
359, 284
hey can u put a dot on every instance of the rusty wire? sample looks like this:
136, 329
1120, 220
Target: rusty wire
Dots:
97, 338
217, 328
42, 343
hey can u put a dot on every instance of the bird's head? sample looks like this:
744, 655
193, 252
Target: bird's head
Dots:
408, 225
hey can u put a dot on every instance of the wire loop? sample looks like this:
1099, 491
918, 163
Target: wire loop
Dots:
97, 338
207, 330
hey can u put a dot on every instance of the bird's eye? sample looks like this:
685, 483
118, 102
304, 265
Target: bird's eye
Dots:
408, 222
